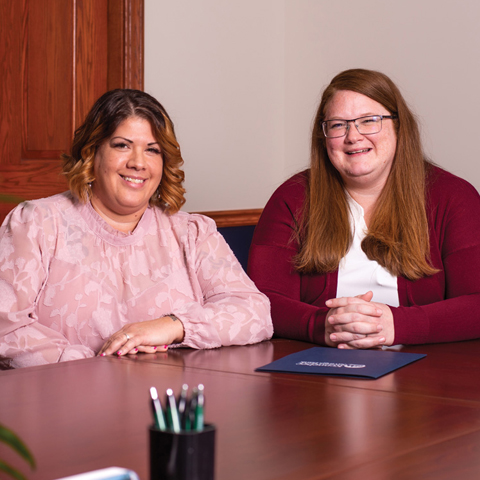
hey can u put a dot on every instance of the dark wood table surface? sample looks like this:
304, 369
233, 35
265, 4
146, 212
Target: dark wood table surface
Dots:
419, 422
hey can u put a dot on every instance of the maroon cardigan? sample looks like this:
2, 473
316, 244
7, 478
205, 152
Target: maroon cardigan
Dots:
441, 308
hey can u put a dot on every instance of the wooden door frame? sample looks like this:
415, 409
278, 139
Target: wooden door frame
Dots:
126, 28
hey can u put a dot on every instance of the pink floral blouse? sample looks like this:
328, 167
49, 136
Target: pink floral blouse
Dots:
68, 281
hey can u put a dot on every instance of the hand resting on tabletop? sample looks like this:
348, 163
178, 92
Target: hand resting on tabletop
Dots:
147, 337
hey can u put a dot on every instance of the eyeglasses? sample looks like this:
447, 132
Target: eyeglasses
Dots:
365, 125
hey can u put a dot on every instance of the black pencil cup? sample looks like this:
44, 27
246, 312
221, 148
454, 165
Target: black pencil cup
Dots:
182, 456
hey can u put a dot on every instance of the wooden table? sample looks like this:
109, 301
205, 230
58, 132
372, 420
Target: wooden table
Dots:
420, 422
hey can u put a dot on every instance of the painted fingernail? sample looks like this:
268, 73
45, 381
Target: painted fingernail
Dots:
119, 352
165, 347
136, 350
154, 348
102, 354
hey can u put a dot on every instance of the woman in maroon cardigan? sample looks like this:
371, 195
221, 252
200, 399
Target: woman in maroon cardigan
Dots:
373, 245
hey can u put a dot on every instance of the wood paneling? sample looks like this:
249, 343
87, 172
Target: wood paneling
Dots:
235, 218
46, 80
57, 57
90, 57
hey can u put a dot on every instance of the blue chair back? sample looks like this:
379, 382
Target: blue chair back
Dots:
239, 239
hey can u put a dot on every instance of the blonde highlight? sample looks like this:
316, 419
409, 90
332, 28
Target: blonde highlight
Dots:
108, 112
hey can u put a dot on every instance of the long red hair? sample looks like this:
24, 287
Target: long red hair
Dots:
398, 234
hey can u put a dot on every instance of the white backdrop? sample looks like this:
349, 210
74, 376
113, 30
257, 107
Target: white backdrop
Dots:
242, 80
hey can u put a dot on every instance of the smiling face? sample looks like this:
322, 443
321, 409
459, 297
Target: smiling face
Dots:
363, 161
128, 168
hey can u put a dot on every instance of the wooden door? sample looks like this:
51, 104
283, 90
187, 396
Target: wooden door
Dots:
56, 58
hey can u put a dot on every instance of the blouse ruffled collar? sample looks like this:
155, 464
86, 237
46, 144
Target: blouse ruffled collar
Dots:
111, 235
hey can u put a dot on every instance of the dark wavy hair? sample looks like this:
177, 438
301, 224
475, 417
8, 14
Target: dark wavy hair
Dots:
109, 111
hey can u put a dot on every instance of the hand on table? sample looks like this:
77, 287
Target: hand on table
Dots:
148, 337
357, 322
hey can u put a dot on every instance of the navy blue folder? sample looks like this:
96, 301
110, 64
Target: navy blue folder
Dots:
350, 363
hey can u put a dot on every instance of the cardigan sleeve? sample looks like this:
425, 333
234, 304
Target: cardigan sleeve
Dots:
228, 309
298, 307
440, 308
446, 306
26, 240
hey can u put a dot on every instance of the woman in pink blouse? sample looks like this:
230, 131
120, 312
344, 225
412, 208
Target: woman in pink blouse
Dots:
112, 266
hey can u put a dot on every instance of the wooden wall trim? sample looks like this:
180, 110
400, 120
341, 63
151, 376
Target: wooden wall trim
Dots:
234, 218
126, 30
134, 44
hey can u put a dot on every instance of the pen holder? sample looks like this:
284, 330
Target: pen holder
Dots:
186, 455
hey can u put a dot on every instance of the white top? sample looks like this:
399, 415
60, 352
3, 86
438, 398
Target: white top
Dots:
357, 274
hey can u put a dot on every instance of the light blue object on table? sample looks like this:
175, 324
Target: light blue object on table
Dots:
111, 473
